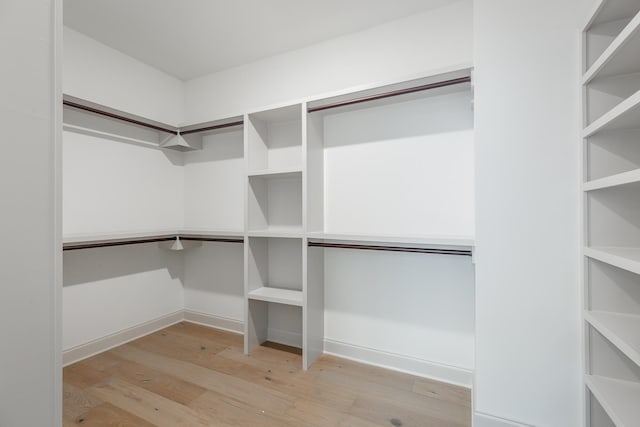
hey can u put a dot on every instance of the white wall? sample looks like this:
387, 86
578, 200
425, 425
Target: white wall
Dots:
107, 290
111, 184
106, 76
418, 306
214, 180
527, 223
116, 186
401, 169
428, 41
30, 377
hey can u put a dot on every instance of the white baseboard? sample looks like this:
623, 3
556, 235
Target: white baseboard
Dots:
486, 420
212, 321
293, 339
83, 351
399, 362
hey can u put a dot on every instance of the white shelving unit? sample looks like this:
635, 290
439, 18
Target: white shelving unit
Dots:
285, 183
611, 195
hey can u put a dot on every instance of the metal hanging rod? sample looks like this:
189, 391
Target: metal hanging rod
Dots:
391, 93
135, 241
461, 252
214, 127
117, 117
72, 247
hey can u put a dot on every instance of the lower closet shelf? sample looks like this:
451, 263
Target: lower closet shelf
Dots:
277, 295
618, 398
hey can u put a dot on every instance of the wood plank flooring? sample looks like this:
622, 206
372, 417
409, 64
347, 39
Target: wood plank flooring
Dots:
190, 375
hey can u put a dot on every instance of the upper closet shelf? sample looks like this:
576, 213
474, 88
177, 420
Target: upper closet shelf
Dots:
618, 398
624, 258
621, 57
185, 138
276, 173
98, 240
625, 115
626, 178
451, 82
445, 243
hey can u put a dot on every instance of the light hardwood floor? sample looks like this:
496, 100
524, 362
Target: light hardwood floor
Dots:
190, 375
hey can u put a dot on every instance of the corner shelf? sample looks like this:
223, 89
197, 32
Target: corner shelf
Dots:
620, 329
277, 295
618, 398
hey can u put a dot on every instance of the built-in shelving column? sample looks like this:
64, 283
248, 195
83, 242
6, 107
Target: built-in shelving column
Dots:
276, 240
313, 311
611, 207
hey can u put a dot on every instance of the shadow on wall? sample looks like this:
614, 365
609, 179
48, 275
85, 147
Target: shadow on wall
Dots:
218, 147
434, 291
216, 267
91, 265
445, 113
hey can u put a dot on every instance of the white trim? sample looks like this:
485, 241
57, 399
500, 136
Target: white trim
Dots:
486, 420
398, 362
212, 321
83, 351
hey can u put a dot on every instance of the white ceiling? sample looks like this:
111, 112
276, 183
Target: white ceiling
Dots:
190, 38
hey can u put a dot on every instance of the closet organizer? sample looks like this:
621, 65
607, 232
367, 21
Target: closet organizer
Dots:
315, 175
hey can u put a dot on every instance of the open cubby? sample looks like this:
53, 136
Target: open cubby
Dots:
613, 289
275, 139
613, 152
275, 270
274, 291
605, 93
275, 202
607, 24
612, 217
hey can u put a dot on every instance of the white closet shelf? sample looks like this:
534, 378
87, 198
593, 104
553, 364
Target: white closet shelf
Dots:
625, 115
618, 398
71, 241
191, 232
612, 10
620, 329
624, 258
276, 173
277, 295
620, 57
626, 178
282, 232
440, 241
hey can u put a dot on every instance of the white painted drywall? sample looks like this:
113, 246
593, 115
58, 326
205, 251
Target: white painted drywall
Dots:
107, 290
396, 50
214, 180
103, 75
417, 305
30, 377
118, 186
527, 211
401, 169
213, 280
